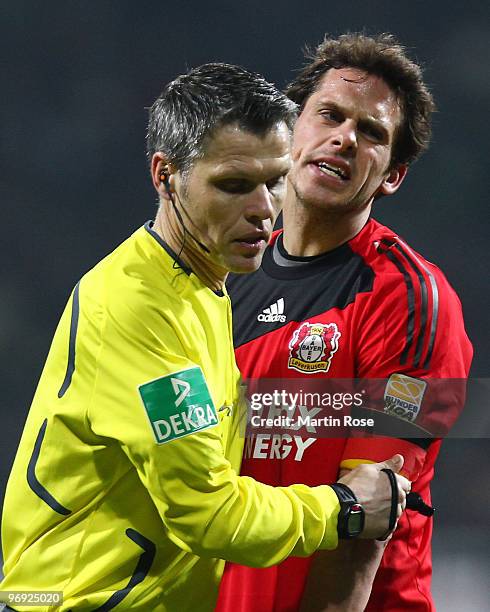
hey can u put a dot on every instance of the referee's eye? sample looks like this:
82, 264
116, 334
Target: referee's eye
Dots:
235, 186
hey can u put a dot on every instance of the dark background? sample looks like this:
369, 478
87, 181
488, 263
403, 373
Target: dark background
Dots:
76, 78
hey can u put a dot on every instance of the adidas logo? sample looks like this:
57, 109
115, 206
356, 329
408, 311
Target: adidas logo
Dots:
273, 313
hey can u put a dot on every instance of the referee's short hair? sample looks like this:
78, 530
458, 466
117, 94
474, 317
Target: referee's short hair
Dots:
194, 105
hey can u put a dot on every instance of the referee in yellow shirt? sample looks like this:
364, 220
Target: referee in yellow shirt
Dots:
125, 493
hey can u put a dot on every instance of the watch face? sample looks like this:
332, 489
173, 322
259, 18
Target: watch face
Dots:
355, 520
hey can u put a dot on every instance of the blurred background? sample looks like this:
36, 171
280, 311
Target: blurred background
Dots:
77, 78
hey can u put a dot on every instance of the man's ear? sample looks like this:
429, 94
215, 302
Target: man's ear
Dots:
393, 180
161, 172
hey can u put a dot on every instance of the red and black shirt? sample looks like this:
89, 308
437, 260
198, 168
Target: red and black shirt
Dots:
370, 309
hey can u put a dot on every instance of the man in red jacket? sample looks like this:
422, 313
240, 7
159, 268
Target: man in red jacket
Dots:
339, 296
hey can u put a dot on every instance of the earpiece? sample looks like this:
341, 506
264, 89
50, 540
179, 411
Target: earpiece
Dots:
164, 177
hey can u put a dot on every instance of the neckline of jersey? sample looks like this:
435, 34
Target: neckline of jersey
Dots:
168, 249
278, 263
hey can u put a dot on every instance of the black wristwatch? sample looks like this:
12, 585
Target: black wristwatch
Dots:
350, 522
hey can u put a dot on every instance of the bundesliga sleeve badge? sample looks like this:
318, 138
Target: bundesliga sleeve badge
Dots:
312, 347
403, 396
178, 405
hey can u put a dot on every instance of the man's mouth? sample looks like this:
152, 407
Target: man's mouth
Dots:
254, 237
333, 170
253, 242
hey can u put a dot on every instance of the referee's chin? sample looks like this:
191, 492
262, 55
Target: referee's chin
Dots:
243, 258
245, 265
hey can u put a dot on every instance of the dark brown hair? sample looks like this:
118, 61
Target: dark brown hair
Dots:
383, 56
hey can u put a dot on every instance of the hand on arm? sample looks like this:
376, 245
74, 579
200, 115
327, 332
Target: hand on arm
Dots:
373, 491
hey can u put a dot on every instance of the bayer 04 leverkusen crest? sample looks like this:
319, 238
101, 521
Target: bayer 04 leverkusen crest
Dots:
312, 347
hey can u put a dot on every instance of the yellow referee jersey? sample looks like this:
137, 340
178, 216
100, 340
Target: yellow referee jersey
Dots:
124, 492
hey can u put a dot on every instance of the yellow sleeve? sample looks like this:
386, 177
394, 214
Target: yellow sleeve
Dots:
206, 507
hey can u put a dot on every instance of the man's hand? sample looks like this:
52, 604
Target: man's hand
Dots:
372, 489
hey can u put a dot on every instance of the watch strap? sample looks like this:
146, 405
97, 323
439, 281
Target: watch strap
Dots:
343, 492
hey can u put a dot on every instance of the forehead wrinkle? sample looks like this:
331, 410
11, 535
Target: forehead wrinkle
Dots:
359, 79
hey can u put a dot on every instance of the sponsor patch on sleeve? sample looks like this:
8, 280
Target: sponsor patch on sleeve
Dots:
403, 396
178, 405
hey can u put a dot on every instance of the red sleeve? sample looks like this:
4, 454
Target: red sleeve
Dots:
410, 333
